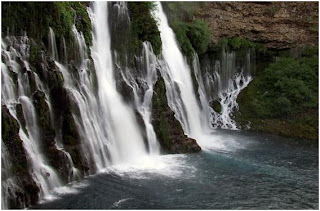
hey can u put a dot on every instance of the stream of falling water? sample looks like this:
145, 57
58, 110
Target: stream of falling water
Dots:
177, 75
143, 93
125, 140
12, 95
109, 131
196, 116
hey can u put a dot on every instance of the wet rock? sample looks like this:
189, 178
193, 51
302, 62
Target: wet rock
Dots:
29, 191
56, 158
55, 79
72, 142
21, 118
216, 106
125, 90
32, 81
62, 107
167, 128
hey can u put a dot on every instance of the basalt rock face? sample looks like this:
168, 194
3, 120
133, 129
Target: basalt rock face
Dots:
28, 191
277, 25
167, 128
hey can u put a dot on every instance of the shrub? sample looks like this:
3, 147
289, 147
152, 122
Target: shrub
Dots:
282, 106
286, 87
180, 29
144, 26
199, 35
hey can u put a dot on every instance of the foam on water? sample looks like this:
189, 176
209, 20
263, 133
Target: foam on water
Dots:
220, 142
60, 192
165, 165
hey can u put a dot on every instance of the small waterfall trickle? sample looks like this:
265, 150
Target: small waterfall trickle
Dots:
221, 81
52, 45
16, 90
143, 93
87, 113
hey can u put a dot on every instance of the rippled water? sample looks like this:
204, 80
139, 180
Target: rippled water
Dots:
236, 170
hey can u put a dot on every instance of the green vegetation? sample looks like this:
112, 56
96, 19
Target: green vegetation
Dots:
159, 102
285, 93
271, 11
192, 35
236, 44
35, 18
144, 26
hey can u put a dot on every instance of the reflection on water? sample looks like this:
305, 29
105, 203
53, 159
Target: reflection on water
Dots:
236, 170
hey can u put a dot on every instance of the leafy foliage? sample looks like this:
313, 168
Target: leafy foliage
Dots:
236, 44
143, 25
199, 35
192, 35
35, 18
287, 89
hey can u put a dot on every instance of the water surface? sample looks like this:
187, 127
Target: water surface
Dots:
235, 170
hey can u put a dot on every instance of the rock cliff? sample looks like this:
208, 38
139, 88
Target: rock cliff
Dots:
277, 25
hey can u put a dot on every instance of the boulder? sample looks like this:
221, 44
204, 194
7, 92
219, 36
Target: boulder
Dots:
167, 128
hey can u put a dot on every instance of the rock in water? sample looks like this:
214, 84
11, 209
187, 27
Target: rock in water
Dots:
167, 128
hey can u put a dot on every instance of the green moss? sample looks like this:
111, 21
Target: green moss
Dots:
180, 29
236, 44
159, 105
35, 57
35, 18
271, 11
163, 133
82, 21
193, 35
144, 26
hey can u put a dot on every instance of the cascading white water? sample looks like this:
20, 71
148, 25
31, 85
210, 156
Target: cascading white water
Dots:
177, 75
225, 82
11, 95
228, 102
88, 120
222, 83
125, 140
108, 128
143, 93
52, 45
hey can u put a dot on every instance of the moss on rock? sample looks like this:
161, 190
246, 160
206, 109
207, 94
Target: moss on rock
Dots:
144, 26
35, 18
29, 192
167, 128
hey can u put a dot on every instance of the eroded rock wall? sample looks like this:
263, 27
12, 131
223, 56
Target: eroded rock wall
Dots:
277, 25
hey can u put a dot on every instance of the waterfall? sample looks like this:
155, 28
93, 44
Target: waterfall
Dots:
86, 112
110, 130
143, 93
125, 141
221, 81
52, 45
177, 74
15, 68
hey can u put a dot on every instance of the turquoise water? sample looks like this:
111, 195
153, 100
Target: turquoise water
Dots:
236, 170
